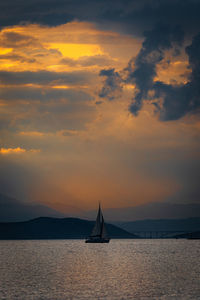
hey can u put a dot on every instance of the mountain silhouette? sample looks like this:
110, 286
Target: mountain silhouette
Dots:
56, 228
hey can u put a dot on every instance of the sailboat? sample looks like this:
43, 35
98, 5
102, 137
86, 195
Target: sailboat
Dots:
99, 234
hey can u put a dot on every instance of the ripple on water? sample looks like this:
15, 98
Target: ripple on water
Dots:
122, 269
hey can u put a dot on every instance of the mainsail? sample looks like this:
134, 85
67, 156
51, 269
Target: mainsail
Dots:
103, 229
97, 227
99, 234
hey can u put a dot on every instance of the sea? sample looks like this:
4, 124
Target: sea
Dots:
122, 269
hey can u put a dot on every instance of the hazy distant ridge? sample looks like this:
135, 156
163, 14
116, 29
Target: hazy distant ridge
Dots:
189, 224
13, 210
156, 210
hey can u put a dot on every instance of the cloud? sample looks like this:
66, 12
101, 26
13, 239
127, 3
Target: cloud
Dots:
17, 150
32, 109
42, 94
112, 84
48, 95
65, 48
179, 100
17, 58
171, 100
88, 61
156, 41
12, 150
68, 133
45, 78
11, 39
128, 16
32, 133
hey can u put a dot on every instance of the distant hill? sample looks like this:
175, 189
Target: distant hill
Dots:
13, 210
55, 228
156, 210
189, 224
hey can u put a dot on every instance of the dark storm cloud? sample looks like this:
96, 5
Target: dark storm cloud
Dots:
156, 41
125, 15
44, 77
177, 100
186, 98
112, 84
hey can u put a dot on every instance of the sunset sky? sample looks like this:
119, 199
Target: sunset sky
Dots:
99, 101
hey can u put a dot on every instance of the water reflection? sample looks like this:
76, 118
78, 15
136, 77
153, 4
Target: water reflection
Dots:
122, 269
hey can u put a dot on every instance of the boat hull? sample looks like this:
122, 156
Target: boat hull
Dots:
97, 241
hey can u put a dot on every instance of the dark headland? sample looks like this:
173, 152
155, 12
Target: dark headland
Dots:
56, 228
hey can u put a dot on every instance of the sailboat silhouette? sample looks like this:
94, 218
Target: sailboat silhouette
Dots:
99, 234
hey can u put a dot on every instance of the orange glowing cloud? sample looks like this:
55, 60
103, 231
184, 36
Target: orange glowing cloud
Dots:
12, 150
18, 150
33, 47
76, 50
32, 133
173, 69
5, 50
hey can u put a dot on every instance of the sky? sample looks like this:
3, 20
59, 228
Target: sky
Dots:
99, 101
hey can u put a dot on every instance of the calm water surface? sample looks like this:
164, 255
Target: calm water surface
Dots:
122, 269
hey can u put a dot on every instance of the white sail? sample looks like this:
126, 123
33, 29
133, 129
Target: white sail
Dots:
97, 227
103, 229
